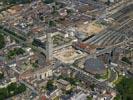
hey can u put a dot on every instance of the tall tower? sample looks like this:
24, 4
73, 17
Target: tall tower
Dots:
49, 47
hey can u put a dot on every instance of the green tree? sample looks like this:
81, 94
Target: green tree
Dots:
35, 65
97, 76
89, 98
125, 88
51, 23
118, 97
48, 1
50, 85
1, 75
11, 90
17, 51
21, 88
125, 59
3, 93
108, 2
2, 41
92, 86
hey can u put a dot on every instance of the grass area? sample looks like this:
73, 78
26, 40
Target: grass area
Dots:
60, 40
57, 98
109, 73
106, 75
120, 77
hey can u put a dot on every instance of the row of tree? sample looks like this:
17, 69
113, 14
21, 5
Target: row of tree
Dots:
16, 1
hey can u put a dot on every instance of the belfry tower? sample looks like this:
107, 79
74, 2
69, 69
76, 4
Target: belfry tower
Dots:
49, 47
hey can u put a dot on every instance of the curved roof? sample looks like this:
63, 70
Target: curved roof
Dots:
94, 66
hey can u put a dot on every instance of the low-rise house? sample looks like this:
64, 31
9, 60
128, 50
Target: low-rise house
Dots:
52, 95
79, 96
63, 84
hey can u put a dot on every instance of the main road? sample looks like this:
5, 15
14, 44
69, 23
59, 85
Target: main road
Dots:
90, 78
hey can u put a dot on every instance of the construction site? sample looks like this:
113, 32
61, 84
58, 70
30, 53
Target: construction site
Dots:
68, 55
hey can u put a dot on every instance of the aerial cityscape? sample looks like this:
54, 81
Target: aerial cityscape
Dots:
66, 49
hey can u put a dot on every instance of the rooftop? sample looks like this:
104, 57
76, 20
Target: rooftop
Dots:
94, 66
